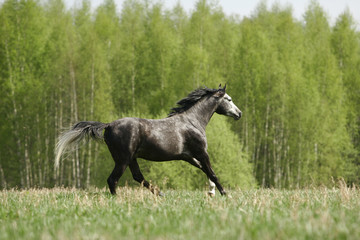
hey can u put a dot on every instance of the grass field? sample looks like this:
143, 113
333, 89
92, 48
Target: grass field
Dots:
135, 213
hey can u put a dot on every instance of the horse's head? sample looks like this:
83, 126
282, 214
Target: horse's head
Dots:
226, 105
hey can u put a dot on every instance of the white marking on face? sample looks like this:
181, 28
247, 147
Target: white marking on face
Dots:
233, 109
227, 97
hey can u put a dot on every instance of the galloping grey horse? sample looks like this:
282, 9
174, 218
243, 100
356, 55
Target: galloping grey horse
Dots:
180, 136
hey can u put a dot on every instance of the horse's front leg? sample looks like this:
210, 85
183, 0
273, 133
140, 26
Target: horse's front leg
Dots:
197, 163
207, 169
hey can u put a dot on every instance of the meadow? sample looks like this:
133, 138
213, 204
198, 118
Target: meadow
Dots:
62, 213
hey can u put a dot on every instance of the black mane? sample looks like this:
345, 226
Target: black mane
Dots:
189, 101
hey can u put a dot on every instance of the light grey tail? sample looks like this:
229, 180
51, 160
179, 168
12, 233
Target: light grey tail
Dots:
76, 134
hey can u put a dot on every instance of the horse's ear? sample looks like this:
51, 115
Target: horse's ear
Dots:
220, 92
222, 89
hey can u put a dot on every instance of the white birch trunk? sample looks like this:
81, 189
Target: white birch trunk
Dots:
265, 145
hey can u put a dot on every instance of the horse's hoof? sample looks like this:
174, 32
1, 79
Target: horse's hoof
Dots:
161, 194
211, 194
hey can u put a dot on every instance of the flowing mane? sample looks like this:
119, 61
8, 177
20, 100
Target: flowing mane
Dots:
189, 101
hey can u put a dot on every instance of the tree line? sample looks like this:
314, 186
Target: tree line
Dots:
296, 81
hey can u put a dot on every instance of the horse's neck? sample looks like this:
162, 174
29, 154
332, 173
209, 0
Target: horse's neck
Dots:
201, 113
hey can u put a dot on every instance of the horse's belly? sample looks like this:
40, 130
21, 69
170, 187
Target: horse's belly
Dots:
159, 152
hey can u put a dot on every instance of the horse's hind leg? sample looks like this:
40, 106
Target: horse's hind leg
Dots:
115, 175
137, 175
121, 163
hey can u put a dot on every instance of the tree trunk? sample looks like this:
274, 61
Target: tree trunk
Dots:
133, 75
46, 169
27, 165
265, 146
255, 149
38, 181
62, 177
88, 170
2, 177
74, 113
274, 155
246, 130
299, 161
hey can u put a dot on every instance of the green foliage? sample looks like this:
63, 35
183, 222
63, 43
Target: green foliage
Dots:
345, 45
330, 133
297, 83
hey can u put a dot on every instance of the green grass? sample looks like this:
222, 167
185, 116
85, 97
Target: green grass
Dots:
135, 213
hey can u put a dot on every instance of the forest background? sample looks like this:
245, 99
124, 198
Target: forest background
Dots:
297, 83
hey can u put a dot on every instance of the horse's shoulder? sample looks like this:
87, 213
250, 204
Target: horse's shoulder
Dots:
194, 134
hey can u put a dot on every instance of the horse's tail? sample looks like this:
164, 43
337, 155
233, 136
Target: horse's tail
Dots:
80, 130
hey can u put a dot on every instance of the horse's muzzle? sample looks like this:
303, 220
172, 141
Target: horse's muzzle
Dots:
238, 116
